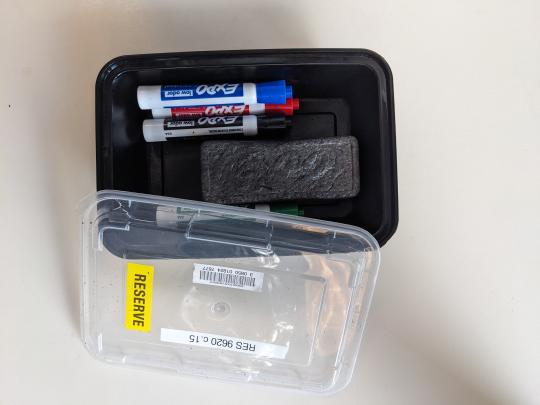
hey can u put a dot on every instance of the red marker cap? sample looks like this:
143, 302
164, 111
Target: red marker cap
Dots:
291, 105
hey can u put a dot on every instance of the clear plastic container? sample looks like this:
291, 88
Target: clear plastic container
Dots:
224, 292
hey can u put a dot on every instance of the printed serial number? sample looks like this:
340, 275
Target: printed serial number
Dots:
220, 342
225, 343
225, 130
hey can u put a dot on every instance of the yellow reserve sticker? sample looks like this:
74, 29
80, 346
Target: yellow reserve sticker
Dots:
139, 283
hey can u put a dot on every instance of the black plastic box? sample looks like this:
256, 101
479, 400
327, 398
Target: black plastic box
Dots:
342, 92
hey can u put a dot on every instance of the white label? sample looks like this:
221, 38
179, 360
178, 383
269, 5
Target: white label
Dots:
178, 93
179, 124
227, 277
233, 344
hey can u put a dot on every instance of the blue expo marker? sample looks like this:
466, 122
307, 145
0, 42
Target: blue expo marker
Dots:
275, 92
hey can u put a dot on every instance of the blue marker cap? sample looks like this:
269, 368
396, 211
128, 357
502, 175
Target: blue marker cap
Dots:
272, 92
288, 91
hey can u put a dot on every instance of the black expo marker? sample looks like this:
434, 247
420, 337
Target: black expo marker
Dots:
159, 130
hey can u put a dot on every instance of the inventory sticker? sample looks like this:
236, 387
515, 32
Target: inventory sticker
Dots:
233, 344
227, 277
139, 284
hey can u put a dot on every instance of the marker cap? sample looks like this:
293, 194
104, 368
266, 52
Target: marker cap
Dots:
288, 108
270, 123
272, 92
288, 91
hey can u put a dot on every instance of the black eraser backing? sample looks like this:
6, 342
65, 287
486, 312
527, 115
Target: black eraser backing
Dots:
239, 172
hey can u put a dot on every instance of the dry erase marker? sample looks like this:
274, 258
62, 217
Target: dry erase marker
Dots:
288, 108
163, 129
150, 97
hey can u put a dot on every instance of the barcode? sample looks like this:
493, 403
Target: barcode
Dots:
227, 279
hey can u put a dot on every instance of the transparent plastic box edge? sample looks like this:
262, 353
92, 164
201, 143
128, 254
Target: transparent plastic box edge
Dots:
357, 310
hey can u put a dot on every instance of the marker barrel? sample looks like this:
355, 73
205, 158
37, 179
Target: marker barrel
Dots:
162, 129
151, 97
288, 109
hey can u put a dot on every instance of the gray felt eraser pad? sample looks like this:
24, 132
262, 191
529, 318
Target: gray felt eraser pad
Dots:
239, 172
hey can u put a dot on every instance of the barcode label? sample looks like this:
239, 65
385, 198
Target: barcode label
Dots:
227, 277
234, 280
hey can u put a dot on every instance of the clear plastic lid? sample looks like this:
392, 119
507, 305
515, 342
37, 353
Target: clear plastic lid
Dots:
224, 292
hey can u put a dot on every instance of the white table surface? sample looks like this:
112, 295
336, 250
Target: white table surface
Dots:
456, 312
